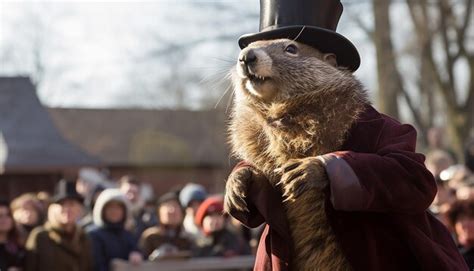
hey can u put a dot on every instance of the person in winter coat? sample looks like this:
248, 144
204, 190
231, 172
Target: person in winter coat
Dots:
169, 231
27, 213
109, 237
461, 219
217, 240
11, 252
132, 188
60, 245
191, 197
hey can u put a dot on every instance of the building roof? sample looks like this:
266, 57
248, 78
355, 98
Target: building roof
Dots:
28, 138
136, 137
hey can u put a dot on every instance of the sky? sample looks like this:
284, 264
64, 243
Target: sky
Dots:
121, 54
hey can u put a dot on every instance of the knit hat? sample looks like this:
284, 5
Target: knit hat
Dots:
190, 193
213, 204
170, 196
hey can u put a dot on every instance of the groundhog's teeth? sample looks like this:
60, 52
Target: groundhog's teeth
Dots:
258, 77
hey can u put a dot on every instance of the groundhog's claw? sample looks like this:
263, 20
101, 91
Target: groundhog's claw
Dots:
236, 189
300, 175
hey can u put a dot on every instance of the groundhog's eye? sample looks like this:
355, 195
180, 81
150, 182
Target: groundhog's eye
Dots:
291, 49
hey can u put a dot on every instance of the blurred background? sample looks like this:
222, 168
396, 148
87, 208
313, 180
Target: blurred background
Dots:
116, 83
140, 88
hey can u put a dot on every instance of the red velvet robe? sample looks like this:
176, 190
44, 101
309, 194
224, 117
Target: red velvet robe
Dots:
379, 192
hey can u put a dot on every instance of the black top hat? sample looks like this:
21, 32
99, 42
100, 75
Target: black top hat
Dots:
312, 22
66, 190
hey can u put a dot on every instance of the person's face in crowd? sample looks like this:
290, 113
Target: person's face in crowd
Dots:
65, 213
170, 213
464, 228
27, 214
131, 191
6, 221
465, 192
213, 222
114, 212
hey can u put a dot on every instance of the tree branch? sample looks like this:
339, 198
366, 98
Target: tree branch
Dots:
469, 104
443, 86
367, 30
445, 13
416, 114
461, 31
173, 48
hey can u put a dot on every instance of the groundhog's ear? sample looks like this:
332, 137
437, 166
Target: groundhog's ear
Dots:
331, 59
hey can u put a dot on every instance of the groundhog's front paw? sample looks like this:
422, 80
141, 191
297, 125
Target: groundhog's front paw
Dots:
300, 175
236, 189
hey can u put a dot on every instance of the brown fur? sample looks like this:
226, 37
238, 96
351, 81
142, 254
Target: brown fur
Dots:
308, 112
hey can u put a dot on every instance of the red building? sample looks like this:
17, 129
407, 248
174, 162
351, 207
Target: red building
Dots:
166, 148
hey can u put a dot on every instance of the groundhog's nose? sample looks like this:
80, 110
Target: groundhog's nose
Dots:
247, 57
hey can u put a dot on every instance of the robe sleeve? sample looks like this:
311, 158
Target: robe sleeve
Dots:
392, 179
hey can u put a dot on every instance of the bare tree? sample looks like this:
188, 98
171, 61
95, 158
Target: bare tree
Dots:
447, 25
177, 56
443, 32
389, 81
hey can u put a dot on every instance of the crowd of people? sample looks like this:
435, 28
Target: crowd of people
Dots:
87, 223
454, 202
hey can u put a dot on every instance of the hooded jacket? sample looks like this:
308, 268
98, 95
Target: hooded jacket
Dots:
110, 240
154, 237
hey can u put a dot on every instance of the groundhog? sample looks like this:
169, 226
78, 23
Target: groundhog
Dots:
292, 103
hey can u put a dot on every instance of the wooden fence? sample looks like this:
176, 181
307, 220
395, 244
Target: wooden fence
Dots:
240, 263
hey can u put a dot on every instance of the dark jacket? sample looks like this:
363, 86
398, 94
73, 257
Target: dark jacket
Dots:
223, 243
110, 241
468, 255
51, 249
379, 190
152, 238
11, 255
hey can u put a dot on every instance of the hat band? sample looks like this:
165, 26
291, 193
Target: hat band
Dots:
276, 26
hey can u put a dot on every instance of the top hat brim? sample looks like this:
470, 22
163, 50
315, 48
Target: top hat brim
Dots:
326, 41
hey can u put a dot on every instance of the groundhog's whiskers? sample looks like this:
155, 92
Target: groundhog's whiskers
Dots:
228, 60
229, 101
232, 93
216, 77
299, 34
215, 73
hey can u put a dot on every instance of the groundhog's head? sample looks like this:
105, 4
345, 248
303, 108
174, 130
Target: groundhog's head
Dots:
276, 70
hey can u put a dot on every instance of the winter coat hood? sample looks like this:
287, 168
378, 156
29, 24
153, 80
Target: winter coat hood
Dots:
109, 195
